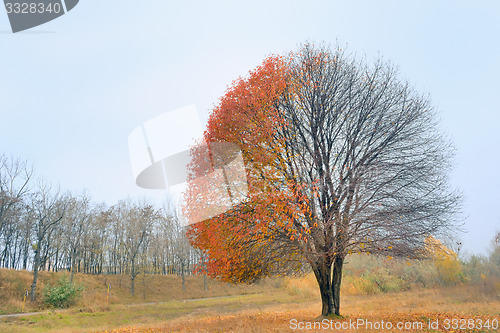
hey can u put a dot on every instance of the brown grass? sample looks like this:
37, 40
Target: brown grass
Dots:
267, 312
266, 307
417, 306
148, 289
13, 285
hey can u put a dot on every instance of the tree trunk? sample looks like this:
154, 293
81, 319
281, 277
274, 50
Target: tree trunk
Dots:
72, 263
132, 279
25, 256
56, 262
183, 277
36, 265
132, 287
322, 271
72, 267
336, 282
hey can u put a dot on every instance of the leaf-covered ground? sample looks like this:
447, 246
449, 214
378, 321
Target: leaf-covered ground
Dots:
288, 310
300, 321
428, 310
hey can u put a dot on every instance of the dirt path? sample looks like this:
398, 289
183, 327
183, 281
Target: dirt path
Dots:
26, 314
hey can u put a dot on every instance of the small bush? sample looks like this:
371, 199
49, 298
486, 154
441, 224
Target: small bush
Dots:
63, 294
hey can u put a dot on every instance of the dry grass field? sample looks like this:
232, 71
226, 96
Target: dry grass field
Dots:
280, 310
148, 289
417, 310
379, 295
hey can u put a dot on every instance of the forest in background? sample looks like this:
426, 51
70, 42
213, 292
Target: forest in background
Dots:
43, 228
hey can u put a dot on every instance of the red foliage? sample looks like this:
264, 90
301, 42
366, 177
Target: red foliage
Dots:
239, 241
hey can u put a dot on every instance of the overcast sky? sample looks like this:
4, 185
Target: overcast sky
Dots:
72, 90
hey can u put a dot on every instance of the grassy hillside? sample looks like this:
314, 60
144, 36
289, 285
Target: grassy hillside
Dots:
148, 288
374, 288
271, 311
363, 275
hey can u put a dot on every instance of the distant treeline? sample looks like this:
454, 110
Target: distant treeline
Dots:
42, 228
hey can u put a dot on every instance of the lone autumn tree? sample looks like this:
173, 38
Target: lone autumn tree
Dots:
341, 157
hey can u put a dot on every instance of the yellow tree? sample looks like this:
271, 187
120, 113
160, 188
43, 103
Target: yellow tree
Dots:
446, 261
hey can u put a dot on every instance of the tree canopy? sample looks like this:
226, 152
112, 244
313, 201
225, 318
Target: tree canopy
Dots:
340, 157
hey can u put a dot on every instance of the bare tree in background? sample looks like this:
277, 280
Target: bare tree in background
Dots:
15, 178
183, 251
137, 221
75, 221
46, 207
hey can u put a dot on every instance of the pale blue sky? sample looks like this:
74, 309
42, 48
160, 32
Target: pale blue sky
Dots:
72, 90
